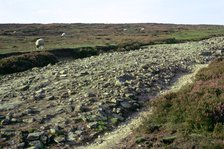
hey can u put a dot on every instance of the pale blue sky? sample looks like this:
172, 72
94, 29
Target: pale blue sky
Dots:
112, 11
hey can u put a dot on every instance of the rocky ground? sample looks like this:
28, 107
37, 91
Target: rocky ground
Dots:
73, 102
116, 138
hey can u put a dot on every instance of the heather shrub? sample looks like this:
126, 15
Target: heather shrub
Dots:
197, 108
129, 46
26, 61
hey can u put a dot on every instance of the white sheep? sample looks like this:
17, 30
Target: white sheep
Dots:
63, 35
40, 44
125, 29
142, 29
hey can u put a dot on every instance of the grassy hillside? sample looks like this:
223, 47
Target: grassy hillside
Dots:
190, 118
21, 37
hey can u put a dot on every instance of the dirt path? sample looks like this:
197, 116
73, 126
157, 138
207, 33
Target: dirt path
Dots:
110, 139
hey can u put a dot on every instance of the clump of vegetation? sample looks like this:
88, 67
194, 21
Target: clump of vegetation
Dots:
193, 116
26, 61
129, 46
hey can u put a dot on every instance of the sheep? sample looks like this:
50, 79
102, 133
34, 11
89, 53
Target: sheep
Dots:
142, 29
63, 35
39, 43
125, 29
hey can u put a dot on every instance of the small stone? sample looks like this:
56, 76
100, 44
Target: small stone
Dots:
34, 136
90, 94
2, 117
44, 139
5, 122
8, 133
30, 111
169, 139
40, 94
129, 95
83, 73
29, 120
59, 139
126, 104
63, 72
9, 115
36, 144
70, 99
71, 136
23, 88
53, 131
20, 146
50, 97
82, 108
39, 119
2, 139
122, 79
69, 109
114, 100
63, 76
92, 125
78, 132
14, 120
119, 117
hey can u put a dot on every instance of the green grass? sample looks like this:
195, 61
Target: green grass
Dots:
193, 116
189, 35
91, 35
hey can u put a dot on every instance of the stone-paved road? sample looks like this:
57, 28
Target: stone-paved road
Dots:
72, 102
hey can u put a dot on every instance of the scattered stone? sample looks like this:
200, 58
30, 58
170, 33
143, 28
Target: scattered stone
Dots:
53, 131
30, 111
59, 139
90, 94
70, 109
119, 117
83, 73
14, 120
82, 108
126, 104
83, 92
23, 88
20, 145
44, 139
50, 97
34, 136
40, 94
5, 122
36, 144
29, 120
71, 136
123, 79
2, 117
78, 132
63, 76
92, 125
63, 72
169, 139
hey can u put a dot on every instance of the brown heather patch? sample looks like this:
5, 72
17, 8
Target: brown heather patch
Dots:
26, 61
